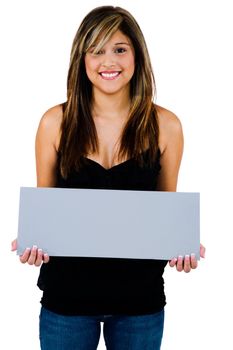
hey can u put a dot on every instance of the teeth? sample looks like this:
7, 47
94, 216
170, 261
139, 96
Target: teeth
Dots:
110, 75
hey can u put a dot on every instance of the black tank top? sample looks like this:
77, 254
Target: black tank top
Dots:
110, 286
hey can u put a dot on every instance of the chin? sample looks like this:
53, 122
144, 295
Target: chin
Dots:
112, 90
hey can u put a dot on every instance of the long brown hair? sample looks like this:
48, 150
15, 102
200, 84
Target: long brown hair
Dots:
78, 132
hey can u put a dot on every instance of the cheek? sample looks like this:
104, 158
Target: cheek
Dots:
90, 66
131, 66
87, 66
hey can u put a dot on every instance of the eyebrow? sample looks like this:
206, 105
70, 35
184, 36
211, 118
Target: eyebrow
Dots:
122, 43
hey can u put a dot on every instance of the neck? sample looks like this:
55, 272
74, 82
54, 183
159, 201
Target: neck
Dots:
110, 106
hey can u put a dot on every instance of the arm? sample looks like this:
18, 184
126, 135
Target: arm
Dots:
46, 144
171, 146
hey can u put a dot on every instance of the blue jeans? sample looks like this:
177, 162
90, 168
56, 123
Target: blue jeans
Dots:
120, 332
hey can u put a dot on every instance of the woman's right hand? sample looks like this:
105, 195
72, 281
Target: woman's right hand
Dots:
32, 256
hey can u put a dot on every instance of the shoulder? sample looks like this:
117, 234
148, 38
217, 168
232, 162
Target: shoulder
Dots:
167, 120
50, 124
52, 117
170, 127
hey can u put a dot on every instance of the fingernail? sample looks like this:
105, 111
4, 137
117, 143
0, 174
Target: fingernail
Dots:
34, 247
193, 255
186, 256
180, 257
28, 248
39, 250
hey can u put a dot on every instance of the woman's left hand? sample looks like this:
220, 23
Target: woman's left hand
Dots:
187, 263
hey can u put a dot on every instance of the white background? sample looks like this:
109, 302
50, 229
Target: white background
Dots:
190, 44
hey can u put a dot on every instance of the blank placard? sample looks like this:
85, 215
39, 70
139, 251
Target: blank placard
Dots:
109, 223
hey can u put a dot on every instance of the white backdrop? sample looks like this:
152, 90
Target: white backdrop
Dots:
190, 44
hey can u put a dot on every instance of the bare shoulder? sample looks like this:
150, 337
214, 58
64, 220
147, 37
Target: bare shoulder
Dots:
170, 126
52, 117
50, 124
167, 119
46, 143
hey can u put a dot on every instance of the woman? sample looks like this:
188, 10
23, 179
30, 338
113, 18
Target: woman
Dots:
108, 134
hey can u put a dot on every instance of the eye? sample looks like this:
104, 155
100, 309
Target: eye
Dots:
120, 50
92, 52
97, 53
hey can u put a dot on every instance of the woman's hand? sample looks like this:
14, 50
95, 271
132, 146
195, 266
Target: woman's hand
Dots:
32, 256
187, 263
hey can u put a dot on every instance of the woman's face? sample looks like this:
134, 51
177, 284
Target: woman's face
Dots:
111, 69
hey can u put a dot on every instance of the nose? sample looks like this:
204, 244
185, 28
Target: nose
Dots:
108, 65
108, 60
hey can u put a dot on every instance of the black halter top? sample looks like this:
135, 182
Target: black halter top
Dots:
97, 286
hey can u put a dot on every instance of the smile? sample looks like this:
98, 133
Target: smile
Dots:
109, 76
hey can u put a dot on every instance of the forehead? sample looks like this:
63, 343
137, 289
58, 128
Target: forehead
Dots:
118, 37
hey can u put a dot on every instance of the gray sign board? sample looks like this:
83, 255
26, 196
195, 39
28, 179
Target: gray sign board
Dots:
109, 223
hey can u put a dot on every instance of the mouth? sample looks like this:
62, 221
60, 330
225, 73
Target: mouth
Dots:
110, 75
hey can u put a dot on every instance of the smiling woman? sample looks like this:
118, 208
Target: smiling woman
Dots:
108, 134
114, 62
108, 42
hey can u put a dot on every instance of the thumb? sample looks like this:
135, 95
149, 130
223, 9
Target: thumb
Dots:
202, 251
14, 245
